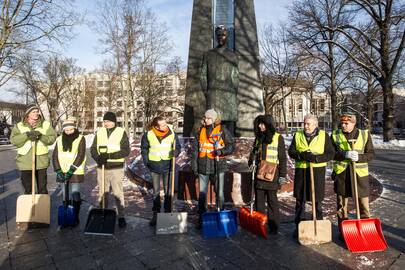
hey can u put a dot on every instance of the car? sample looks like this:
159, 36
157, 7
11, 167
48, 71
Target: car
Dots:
397, 131
4, 140
377, 130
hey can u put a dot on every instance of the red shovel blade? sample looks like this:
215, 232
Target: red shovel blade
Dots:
363, 235
254, 223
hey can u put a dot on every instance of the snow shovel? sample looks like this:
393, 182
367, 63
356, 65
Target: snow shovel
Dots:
171, 223
101, 221
35, 207
66, 212
221, 223
249, 219
314, 231
362, 235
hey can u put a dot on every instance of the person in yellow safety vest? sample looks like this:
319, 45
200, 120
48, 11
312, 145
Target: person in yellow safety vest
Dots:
110, 148
33, 128
212, 141
310, 145
361, 154
69, 161
269, 145
157, 154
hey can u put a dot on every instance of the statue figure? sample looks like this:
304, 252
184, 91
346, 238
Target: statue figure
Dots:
219, 80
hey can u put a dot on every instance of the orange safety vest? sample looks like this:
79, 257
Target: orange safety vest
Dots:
211, 143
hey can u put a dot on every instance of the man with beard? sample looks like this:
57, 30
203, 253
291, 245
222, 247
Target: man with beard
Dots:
69, 161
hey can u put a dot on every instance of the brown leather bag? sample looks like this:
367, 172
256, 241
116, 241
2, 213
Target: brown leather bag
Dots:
266, 171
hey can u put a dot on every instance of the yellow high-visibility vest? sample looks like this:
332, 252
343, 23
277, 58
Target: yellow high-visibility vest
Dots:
67, 158
359, 146
316, 146
41, 148
160, 150
272, 150
113, 143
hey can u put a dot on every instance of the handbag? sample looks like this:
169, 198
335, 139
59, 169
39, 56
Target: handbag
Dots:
266, 171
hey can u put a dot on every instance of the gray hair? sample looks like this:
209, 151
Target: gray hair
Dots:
313, 117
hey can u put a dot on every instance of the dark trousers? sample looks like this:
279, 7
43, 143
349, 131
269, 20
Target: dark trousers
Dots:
273, 211
156, 191
300, 211
41, 181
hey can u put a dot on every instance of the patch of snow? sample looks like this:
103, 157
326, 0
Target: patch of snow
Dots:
378, 143
365, 261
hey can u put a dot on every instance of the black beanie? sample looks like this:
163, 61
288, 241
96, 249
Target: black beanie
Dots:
110, 116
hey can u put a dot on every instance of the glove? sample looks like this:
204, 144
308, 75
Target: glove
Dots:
308, 156
60, 176
352, 155
282, 181
102, 159
218, 153
31, 135
37, 134
69, 174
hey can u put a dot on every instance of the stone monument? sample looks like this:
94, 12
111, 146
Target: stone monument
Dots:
239, 19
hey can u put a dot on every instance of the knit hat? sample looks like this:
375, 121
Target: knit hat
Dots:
211, 113
30, 108
110, 116
68, 123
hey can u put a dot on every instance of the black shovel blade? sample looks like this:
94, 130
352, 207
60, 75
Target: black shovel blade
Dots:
101, 222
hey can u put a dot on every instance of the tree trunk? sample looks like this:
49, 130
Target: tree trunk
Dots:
388, 110
333, 96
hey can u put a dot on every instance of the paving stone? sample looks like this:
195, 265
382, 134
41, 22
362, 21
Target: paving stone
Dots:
79, 263
31, 261
27, 248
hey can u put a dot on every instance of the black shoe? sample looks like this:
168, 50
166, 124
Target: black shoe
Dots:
122, 223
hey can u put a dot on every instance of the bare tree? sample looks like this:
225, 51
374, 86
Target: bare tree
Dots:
307, 29
385, 33
25, 23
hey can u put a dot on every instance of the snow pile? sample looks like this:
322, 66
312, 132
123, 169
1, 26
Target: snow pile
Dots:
393, 144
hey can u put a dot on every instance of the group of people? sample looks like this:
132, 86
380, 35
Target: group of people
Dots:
109, 149
213, 141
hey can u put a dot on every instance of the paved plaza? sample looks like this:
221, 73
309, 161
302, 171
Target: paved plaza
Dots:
137, 247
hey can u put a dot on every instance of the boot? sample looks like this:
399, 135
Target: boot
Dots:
152, 222
76, 206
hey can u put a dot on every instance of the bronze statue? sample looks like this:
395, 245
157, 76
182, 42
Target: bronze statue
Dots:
219, 79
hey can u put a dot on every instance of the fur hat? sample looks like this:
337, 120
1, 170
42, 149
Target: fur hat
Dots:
110, 116
211, 113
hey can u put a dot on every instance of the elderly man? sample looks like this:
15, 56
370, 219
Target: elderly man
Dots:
351, 145
310, 145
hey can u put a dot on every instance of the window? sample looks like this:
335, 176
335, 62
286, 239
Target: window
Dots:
99, 114
300, 107
322, 105
99, 124
99, 103
99, 83
139, 124
119, 103
119, 124
180, 124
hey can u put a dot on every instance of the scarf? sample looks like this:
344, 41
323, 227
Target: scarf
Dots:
160, 133
67, 140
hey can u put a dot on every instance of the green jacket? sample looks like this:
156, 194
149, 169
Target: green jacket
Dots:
24, 162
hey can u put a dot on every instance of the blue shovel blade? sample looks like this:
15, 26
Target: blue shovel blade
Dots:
219, 224
66, 216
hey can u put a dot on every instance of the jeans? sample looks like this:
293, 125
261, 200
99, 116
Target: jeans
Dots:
156, 191
219, 191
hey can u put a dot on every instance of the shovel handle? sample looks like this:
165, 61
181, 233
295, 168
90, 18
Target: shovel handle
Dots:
103, 186
172, 176
356, 192
33, 147
311, 174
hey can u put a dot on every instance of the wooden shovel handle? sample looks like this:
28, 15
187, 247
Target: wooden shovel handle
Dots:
356, 192
172, 176
33, 148
311, 174
103, 186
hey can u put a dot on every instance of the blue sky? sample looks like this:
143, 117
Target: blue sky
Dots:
177, 16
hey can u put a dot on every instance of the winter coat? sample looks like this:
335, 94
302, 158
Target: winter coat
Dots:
342, 181
78, 161
302, 178
123, 153
206, 165
281, 168
162, 166
24, 162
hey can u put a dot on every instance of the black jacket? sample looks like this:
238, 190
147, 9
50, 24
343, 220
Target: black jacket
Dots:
206, 165
162, 166
302, 180
342, 185
123, 153
281, 168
